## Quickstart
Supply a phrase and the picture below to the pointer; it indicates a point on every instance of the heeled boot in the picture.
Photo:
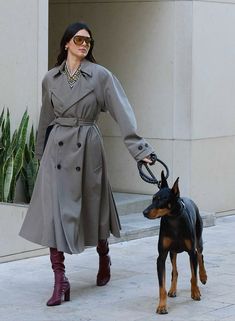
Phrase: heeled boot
(61, 286)
(103, 275)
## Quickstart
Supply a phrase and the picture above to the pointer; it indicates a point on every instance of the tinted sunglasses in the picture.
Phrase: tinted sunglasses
(79, 40)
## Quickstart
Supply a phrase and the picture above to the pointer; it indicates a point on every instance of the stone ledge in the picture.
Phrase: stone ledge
(135, 226)
(131, 203)
(13, 247)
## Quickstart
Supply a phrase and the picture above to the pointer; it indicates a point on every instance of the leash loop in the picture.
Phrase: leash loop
(151, 179)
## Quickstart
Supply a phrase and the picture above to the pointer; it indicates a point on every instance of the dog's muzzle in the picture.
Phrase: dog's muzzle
(146, 212)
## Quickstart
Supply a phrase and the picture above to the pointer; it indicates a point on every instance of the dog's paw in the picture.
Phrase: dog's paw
(203, 278)
(162, 309)
(172, 293)
(195, 294)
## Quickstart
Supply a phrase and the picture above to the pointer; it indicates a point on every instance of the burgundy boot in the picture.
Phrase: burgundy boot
(103, 275)
(61, 286)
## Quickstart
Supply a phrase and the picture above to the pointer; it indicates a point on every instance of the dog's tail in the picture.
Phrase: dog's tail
(199, 228)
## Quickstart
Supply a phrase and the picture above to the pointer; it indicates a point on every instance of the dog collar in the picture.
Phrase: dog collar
(182, 202)
(182, 206)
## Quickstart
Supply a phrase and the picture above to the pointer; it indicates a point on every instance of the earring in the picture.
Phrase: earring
(66, 48)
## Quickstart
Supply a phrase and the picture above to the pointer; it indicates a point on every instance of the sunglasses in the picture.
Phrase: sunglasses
(79, 40)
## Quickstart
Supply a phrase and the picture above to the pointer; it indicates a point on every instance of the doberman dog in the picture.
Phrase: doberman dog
(180, 230)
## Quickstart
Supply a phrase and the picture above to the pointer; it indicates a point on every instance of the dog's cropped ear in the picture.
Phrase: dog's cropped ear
(175, 188)
(163, 180)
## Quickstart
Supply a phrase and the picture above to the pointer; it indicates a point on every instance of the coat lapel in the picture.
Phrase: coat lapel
(67, 96)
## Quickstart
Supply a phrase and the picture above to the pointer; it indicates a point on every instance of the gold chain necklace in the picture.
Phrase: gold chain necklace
(74, 77)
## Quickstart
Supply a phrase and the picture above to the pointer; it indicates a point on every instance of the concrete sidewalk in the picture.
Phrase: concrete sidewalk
(132, 293)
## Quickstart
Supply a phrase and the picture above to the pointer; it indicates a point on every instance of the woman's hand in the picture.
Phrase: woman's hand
(151, 159)
(147, 160)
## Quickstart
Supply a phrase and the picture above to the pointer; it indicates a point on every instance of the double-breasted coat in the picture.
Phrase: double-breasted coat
(72, 205)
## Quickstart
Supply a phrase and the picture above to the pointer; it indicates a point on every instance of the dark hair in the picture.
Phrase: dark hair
(70, 31)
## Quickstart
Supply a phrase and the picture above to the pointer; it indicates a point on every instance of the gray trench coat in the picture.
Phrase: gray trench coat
(72, 204)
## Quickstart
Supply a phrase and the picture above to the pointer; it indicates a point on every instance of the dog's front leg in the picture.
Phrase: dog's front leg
(195, 292)
(174, 276)
(162, 306)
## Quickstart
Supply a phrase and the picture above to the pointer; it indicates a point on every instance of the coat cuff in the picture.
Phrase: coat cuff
(141, 150)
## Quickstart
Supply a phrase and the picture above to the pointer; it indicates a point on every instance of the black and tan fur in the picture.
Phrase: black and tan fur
(180, 230)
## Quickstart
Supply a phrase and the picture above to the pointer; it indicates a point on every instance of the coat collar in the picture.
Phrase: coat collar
(86, 68)
(67, 96)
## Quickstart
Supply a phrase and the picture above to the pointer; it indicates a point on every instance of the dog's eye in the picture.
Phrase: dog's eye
(157, 198)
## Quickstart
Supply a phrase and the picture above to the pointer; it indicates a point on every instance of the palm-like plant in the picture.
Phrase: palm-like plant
(30, 167)
(13, 152)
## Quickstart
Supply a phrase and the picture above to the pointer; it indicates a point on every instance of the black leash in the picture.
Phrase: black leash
(152, 179)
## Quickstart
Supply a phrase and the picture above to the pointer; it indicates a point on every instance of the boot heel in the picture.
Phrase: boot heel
(67, 295)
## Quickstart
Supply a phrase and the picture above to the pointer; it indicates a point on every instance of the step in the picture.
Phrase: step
(135, 226)
(131, 203)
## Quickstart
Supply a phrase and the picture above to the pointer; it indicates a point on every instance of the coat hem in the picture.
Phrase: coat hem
(61, 249)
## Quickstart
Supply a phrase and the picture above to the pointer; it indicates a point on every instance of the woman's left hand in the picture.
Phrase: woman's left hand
(151, 159)
(147, 160)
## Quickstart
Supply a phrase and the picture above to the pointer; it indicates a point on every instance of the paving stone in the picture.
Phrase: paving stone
(132, 293)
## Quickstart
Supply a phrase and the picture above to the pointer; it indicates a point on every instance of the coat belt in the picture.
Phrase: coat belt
(72, 122)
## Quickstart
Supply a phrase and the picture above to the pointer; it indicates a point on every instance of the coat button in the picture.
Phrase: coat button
(79, 145)
(59, 166)
(61, 143)
(146, 145)
(78, 169)
(140, 147)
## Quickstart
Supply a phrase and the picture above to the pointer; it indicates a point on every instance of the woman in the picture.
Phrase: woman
(72, 205)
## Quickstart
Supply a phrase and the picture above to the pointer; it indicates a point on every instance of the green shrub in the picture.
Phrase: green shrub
(15, 157)
(30, 167)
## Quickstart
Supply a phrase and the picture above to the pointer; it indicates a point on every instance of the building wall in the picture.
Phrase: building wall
(23, 60)
(23, 56)
(175, 60)
(213, 104)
